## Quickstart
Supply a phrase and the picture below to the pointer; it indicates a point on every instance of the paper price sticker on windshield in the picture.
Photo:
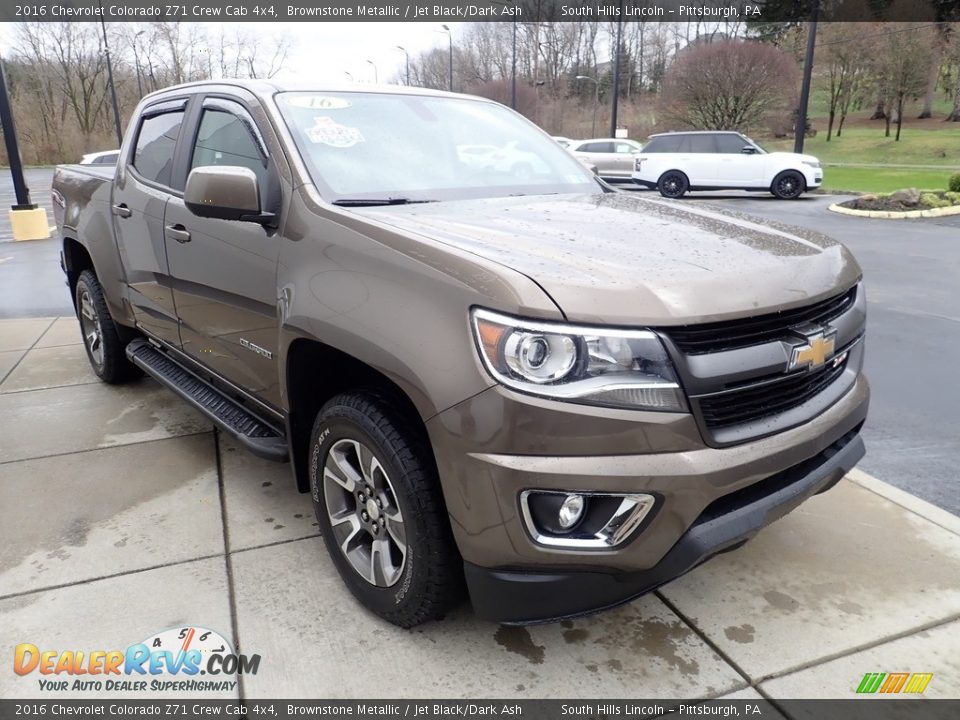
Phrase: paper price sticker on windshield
(319, 102)
(327, 132)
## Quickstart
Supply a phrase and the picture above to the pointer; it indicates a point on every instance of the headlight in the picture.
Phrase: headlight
(812, 163)
(590, 365)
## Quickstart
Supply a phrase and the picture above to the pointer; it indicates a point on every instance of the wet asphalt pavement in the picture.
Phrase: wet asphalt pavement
(912, 274)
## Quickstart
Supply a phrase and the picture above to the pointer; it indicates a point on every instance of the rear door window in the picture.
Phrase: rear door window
(597, 147)
(156, 142)
(699, 144)
(667, 144)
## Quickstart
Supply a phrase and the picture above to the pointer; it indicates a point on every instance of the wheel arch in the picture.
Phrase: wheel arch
(316, 372)
(76, 259)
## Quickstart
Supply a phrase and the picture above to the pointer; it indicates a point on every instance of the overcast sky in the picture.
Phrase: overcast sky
(323, 51)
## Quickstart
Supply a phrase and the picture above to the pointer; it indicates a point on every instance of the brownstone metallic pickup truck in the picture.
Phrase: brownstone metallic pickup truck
(492, 371)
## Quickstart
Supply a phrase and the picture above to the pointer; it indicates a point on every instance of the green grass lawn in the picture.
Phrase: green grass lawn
(940, 146)
(875, 180)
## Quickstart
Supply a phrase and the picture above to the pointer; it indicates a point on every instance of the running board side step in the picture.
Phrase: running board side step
(249, 430)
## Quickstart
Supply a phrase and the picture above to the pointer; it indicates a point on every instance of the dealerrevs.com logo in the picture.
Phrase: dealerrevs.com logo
(175, 660)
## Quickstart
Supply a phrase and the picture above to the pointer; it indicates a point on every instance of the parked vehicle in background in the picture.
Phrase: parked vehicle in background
(613, 157)
(510, 158)
(675, 163)
(106, 157)
(556, 395)
(563, 141)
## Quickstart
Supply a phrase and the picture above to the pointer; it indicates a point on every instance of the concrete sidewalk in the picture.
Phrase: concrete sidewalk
(124, 514)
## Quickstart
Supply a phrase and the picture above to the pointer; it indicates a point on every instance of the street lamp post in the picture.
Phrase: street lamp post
(800, 129)
(616, 75)
(596, 101)
(113, 88)
(450, 38)
(136, 60)
(513, 72)
(407, 55)
(373, 65)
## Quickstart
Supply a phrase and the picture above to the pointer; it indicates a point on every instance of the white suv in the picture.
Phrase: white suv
(674, 163)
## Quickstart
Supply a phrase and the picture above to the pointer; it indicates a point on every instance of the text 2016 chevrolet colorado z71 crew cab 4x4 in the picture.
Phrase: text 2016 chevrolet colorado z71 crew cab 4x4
(552, 394)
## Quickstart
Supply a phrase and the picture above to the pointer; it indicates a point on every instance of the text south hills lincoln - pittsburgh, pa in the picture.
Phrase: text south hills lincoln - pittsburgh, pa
(616, 11)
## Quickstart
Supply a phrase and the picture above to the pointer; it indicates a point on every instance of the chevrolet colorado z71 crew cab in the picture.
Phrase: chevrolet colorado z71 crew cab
(525, 385)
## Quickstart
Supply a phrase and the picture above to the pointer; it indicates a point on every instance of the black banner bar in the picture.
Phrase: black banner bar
(865, 708)
(751, 11)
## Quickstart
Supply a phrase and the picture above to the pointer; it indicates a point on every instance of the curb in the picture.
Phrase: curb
(891, 215)
(928, 511)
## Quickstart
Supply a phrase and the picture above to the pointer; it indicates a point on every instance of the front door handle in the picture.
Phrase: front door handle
(122, 210)
(178, 233)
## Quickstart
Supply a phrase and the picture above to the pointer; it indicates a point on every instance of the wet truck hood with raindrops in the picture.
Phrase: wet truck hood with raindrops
(619, 259)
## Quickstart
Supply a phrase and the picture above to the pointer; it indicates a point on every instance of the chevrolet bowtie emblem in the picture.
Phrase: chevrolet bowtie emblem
(815, 352)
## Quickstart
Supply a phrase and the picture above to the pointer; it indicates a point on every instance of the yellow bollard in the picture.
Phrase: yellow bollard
(30, 224)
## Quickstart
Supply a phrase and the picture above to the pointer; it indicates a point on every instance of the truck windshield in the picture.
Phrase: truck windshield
(380, 147)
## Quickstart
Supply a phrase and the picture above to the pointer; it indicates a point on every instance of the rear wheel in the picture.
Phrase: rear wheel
(788, 185)
(673, 184)
(101, 337)
(377, 500)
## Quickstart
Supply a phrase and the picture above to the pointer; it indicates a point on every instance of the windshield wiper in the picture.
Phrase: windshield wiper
(376, 202)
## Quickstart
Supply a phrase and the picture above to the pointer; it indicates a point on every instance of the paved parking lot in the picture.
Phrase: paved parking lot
(124, 514)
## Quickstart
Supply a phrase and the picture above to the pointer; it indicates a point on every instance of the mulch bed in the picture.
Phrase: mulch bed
(881, 202)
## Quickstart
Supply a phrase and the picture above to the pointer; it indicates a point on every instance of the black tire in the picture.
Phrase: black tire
(429, 580)
(788, 185)
(673, 184)
(102, 339)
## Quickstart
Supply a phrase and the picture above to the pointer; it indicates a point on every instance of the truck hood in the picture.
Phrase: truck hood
(616, 258)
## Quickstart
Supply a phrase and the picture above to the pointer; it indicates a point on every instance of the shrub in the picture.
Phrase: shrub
(953, 197)
(954, 184)
(932, 200)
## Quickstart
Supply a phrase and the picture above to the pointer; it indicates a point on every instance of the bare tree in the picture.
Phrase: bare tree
(954, 58)
(844, 59)
(729, 85)
(901, 68)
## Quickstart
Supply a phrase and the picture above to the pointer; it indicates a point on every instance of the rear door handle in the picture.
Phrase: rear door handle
(178, 233)
(122, 210)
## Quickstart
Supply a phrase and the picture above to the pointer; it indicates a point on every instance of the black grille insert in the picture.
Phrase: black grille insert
(760, 401)
(732, 334)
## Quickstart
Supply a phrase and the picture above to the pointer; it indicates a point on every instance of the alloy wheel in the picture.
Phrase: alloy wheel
(90, 326)
(364, 515)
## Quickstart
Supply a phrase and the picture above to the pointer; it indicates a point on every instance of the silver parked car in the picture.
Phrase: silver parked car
(613, 157)
(105, 157)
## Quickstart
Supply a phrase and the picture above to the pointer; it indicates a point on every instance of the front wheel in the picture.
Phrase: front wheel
(377, 500)
(673, 184)
(101, 337)
(788, 185)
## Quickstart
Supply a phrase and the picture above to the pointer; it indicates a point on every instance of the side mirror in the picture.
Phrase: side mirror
(749, 150)
(225, 192)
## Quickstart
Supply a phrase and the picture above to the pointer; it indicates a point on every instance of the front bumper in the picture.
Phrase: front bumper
(495, 445)
(519, 596)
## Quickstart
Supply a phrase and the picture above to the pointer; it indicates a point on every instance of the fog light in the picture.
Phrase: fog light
(570, 511)
(584, 520)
